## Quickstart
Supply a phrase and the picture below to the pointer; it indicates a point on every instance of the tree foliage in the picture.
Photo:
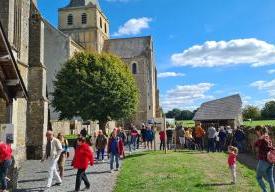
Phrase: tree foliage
(95, 87)
(180, 114)
(251, 112)
(268, 111)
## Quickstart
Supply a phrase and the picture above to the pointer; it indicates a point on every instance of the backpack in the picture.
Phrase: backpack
(271, 153)
(271, 156)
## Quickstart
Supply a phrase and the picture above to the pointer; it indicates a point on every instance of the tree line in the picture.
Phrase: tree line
(256, 113)
(249, 112)
(181, 114)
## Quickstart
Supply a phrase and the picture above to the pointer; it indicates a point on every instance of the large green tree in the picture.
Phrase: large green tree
(251, 112)
(95, 87)
(268, 111)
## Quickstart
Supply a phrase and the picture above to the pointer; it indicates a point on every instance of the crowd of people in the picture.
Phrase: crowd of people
(213, 139)
(223, 139)
(57, 151)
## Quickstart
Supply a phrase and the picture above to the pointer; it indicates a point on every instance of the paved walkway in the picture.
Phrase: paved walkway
(33, 177)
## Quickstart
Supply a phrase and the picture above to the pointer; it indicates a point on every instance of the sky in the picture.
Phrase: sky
(204, 49)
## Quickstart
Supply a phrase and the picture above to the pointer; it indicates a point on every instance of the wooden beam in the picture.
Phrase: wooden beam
(5, 58)
(12, 82)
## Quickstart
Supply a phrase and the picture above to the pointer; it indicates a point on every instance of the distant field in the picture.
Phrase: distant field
(255, 123)
(191, 123)
(188, 123)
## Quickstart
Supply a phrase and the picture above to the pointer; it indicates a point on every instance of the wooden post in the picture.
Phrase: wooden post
(165, 138)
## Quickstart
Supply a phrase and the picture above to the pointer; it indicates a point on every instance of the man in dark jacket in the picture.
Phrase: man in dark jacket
(101, 142)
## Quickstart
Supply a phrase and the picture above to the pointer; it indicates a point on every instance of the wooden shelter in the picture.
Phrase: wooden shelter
(221, 112)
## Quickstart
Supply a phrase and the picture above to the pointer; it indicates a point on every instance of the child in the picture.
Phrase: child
(232, 159)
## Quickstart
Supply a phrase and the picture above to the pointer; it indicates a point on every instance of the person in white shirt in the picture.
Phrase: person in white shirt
(51, 156)
(212, 133)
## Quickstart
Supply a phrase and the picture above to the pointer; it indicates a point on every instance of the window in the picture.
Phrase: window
(105, 28)
(134, 68)
(70, 19)
(84, 18)
(100, 22)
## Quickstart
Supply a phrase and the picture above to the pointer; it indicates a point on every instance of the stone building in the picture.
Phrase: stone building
(86, 23)
(32, 51)
(221, 112)
(39, 50)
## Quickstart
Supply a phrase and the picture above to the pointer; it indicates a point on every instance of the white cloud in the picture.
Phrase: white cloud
(170, 74)
(222, 53)
(133, 26)
(271, 71)
(186, 96)
(268, 86)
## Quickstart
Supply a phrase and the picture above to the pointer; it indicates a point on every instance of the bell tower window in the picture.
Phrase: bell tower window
(134, 68)
(105, 28)
(70, 19)
(84, 18)
(100, 22)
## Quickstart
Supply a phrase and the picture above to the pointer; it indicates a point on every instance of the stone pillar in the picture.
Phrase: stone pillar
(38, 104)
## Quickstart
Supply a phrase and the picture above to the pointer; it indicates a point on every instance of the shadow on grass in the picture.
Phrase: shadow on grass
(212, 184)
(135, 155)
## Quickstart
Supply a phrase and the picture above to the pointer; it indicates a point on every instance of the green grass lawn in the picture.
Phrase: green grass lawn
(187, 123)
(182, 171)
(255, 123)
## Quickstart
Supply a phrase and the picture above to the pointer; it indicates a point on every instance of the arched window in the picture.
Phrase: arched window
(70, 19)
(84, 18)
(134, 68)
(100, 22)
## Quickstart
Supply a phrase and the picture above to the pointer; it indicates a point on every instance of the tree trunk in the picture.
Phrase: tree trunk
(102, 126)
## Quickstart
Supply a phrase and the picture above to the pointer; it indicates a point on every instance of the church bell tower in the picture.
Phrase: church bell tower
(85, 22)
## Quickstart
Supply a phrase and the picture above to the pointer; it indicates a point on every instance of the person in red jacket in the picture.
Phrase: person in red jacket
(162, 140)
(115, 150)
(82, 158)
(5, 163)
(232, 160)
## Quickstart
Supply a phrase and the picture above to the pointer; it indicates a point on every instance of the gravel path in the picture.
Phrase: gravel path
(33, 177)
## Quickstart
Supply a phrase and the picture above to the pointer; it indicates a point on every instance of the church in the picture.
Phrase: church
(86, 23)
(32, 51)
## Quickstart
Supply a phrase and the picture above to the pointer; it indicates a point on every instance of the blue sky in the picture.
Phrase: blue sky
(204, 49)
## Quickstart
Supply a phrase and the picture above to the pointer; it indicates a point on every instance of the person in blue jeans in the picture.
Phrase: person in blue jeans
(264, 168)
(212, 133)
(115, 149)
(5, 163)
(239, 137)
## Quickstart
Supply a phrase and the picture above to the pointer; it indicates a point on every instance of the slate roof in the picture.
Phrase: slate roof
(227, 108)
(128, 47)
(81, 3)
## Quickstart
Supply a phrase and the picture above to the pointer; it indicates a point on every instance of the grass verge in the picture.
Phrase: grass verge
(182, 171)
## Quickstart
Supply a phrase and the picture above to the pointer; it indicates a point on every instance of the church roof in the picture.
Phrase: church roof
(227, 108)
(82, 3)
(128, 47)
